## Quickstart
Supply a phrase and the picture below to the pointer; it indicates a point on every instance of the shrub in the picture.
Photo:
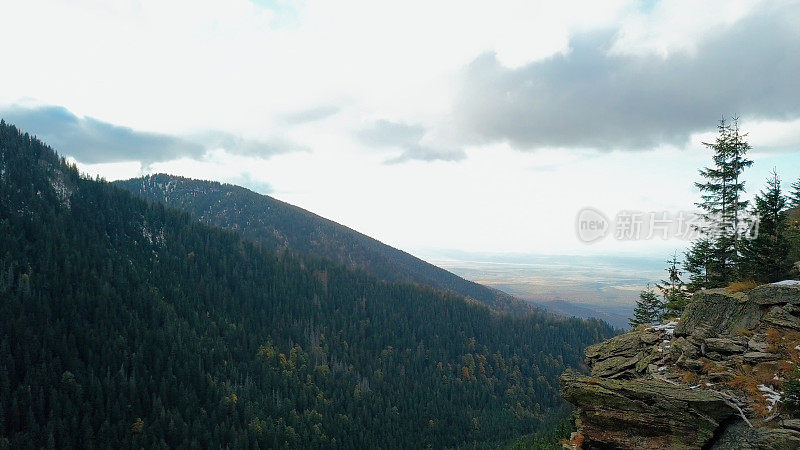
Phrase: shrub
(742, 286)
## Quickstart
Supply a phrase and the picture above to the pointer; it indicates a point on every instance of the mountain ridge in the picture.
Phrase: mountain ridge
(129, 323)
(280, 226)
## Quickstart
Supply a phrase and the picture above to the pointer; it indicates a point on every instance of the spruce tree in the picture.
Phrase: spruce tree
(793, 226)
(794, 195)
(672, 289)
(766, 257)
(648, 308)
(737, 162)
(699, 263)
(722, 206)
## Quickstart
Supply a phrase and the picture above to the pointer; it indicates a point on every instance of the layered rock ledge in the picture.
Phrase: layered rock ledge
(711, 379)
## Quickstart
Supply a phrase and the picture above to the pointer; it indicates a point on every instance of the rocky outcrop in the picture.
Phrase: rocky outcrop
(711, 379)
(635, 413)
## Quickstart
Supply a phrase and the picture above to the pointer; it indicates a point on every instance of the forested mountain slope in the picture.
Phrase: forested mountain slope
(128, 324)
(277, 225)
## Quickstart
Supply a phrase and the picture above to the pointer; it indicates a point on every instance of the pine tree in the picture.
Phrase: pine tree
(766, 257)
(672, 289)
(699, 263)
(736, 164)
(793, 226)
(648, 308)
(722, 204)
(794, 195)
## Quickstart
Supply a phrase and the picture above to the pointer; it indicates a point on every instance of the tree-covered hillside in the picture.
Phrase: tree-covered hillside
(128, 324)
(279, 226)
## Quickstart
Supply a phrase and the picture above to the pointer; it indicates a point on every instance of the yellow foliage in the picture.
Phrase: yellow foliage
(742, 286)
(266, 351)
(138, 426)
(258, 426)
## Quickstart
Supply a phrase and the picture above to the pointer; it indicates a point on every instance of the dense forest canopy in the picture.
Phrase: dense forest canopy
(279, 226)
(125, 323)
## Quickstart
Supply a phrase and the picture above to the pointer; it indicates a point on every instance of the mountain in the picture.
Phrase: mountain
(570, 309)
(722, 376)
(127, 323)
(278, 226)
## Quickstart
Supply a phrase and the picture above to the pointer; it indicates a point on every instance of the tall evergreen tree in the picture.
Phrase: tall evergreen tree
(736, 164)
(722, 203)
(648, 308)
(794, 195)
(672, 289)
(766, 257)
(699, 263)
(793, 226)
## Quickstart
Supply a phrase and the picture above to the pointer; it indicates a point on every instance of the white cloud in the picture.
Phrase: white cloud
(182, 65)
(677, 25)
(110, 171)
(316, 72)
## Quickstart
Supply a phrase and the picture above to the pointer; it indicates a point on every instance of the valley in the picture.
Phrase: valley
(128, 321)
(513, 225)
(603, 287)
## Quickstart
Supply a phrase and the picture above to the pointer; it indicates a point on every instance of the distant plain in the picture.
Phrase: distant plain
(604, 287)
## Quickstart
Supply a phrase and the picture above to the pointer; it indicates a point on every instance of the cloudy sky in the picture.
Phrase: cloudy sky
(477, 126)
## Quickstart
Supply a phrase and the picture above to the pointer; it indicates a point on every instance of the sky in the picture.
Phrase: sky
(431, 126)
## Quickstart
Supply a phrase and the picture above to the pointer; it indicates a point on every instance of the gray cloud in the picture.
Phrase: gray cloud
(589, 98)
(408, 138)
(237, 145)
(93, 141)
(311, 115)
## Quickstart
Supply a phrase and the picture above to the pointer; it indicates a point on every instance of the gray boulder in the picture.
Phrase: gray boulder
(643, 414)
(776, 294)
(725, 345)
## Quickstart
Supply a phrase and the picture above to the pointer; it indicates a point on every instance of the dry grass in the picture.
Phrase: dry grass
(745, 332)
(774, 340)
(764, 373)
(791, 338)
(785, 368)
(576, 442)
(760, 407)
(745, 380)
(742, 286)
(710, 367)
(690, 377)
(742, 376)
(783, 343)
